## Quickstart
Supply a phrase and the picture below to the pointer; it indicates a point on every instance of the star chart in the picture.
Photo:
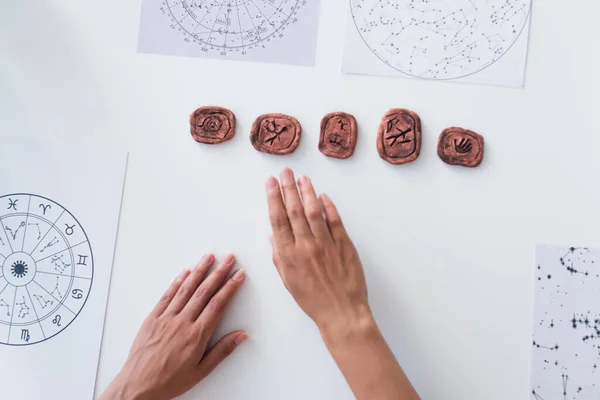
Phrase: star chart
(226, 26)
(566, 332)
(47, 268)
(439, 39)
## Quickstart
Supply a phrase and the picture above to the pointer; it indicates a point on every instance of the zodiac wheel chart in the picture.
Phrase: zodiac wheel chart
(226, 26)
(47, 269)
(440, 39)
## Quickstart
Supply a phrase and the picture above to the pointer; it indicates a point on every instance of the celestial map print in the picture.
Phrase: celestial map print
(47, 268)
(566, 324)
(440, 39)
(224, 26)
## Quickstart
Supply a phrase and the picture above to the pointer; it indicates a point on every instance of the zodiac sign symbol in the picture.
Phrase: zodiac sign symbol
(56, 320)
(50, 244)
(81, 260)
(273, 128)
(69, 229)
(19, 269)
(335, 139)
(77, 293)
(25, 335)
(12, 204)
(464, 146)
(45, 207)
(16, 232)
(342, 124)
(43, 302)
(56, 290)
(5, 304)
(24, 310)
(60, 268)
(38, 229)
(211, 124)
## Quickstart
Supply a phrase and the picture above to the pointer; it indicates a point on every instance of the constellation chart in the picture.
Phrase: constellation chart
(438, 39)
(46, 269)
(566, 332)
(235, 29)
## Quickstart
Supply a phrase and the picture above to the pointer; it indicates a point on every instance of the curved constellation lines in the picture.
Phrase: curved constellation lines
(440, 39)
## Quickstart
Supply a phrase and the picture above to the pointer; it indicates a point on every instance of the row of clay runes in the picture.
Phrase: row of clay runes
(398, 136)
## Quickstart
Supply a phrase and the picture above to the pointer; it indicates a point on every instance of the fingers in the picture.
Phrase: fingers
(207, 289)
(220, 351)
(293, 204)
(165, 300)
(282, 230)
(190, 284)
(333, 219)
(313, 209)
(213, 312)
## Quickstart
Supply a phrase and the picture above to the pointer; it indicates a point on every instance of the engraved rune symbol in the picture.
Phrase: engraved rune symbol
(342, 124)
(401, 135)
(335, 139)
(464, 146)
(276, 130)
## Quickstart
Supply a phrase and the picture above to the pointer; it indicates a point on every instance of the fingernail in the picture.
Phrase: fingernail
(271, 240)
(229, 258)
(303, 181)
(287, 175)
(239, 275)
(324, 197)
(270, 184)
(205, 259)
(241, 338)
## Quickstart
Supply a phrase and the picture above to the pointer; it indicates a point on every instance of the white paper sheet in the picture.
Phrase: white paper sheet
(59, 210)
(566, 324)
(468, 41)
(280, 31)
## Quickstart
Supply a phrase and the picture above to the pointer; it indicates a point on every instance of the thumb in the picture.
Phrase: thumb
(220, 351)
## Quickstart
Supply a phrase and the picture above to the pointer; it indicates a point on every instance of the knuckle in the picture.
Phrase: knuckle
(200, 292)
(314, 214)
(183, 291)
(216, 304)
(296, 212)
(279, 221)
(335, 222)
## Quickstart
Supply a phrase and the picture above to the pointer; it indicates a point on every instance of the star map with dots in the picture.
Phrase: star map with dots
(566, 324)
(439, 39)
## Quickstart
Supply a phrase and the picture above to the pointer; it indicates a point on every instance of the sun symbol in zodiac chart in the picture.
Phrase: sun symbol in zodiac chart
(46, 269)
(440, 39)
(226, 26)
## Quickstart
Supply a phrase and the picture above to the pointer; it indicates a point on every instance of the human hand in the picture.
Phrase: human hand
(169, 355)
(315, 257)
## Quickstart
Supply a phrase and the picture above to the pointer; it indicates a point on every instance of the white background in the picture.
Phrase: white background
(448, 251)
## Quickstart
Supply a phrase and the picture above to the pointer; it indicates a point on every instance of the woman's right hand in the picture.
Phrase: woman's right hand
(314, 255)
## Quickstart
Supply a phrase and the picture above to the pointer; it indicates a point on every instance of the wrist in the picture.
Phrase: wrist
(124, 388)
(355, 325)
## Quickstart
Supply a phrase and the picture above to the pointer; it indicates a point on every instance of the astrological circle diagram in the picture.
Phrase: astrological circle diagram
(227, 26)
(46, 269)
(440, 39)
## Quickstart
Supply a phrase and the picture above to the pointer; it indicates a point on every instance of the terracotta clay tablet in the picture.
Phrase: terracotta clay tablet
(276, 134)
(338, 135)
(458, 146)
(399, 136)
(212, 125)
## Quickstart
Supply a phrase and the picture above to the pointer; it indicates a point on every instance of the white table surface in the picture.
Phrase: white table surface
(448, 251)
